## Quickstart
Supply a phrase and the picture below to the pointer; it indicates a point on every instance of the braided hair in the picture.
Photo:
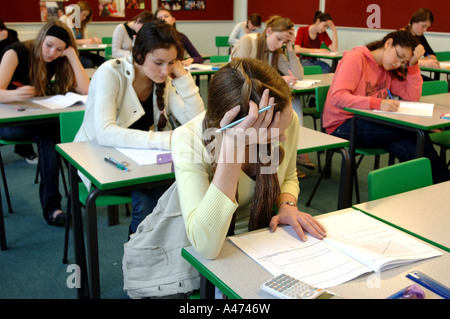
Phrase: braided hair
(155, 35)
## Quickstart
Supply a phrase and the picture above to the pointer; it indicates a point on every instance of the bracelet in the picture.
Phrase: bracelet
(288, 202)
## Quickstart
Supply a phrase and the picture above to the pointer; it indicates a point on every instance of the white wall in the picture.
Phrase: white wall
(202, 33)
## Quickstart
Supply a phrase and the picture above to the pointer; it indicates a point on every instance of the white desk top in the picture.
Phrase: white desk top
(439, 99)
(244, 276)
(424, 211)
(325, 80)
(88, 157)
(311, 140)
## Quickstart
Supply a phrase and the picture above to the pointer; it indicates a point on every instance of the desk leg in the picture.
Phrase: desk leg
(2, 227)
(351, 151)
(345, 182)
(207, 289)
(80, 257)
(420, 144)
(92, 239)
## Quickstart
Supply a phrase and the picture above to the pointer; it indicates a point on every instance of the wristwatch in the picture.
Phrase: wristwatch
(288, 202)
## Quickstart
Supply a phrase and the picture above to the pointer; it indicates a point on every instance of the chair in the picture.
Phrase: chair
(221, 42)
(399, 178)
(321, 95)
(70, 122)
(443, 55)
(434, 87)
(107, 40)
(311, 111)
(219, 58)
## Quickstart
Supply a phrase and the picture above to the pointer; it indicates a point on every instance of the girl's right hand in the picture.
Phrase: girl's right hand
(24, 93)
(389, 105)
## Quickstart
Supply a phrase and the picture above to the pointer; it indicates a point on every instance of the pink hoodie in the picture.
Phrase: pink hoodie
(361, 83)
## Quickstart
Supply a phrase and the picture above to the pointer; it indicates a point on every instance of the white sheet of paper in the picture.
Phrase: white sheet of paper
(142, 156)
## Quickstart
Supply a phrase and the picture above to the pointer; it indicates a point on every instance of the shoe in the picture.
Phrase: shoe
(306, 163)
(300, 174)
(32, 159)
(57, 220)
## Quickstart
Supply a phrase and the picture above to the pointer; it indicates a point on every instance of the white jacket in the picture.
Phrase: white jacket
(113, 106)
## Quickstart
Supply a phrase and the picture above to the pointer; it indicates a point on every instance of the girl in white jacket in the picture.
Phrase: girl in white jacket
(131, 100)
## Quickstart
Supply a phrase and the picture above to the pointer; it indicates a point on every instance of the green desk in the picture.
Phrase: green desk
(88, 158)
(423, 213)
(239, 276)
(335, 57)
(30, 113)
(437, 72)
(313, 141)
(325, 80)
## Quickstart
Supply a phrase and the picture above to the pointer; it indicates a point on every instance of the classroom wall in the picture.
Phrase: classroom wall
(202, 33)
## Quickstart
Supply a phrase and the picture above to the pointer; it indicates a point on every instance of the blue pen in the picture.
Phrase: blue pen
(390, 95)
(118, 165)
(240, 120)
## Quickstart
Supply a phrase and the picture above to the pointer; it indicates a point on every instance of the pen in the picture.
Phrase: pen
(118, 165)
(390, 95)
(240, 120)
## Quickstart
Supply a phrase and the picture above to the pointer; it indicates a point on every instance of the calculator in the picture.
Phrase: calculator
(287, 287)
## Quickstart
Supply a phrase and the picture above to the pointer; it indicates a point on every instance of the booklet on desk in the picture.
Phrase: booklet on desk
(304, 84)
(61, 101)
(202, 67)
(413, 108)
(355, 244)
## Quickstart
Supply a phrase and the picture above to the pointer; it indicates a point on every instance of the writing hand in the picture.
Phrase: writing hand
(24, 93)
(389, 105)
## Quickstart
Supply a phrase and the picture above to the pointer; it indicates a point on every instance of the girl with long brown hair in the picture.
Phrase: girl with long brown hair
(132, 99)
(26, 70)
(243, 178)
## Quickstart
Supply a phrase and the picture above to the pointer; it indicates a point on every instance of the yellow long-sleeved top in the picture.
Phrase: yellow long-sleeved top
(206, 210)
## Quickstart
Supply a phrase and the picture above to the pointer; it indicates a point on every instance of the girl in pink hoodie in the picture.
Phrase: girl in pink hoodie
(362, 80)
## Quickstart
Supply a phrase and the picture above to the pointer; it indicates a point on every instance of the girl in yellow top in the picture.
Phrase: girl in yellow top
(228, 187)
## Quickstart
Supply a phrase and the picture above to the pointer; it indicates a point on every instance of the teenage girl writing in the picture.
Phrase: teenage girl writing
(362, 80)
(26, 70)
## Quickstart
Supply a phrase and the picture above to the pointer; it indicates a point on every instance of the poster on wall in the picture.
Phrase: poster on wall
(135, 4)
(51, 10)
(178, 5)
(111, 8)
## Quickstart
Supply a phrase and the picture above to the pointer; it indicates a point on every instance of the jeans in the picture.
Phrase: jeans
(398, 142)
(326, 68)
(144, 201)
(45, 136)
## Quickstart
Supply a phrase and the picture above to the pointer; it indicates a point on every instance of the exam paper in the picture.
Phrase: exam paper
(304, 83)
(142, 156)
(62, 101)
(413, 108)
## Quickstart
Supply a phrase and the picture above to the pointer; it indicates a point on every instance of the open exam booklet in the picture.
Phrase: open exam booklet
(355, 244)
(413, 108)
(61, 101)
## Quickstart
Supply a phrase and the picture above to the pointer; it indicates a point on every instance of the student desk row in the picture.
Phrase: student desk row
(437, 72)
(239, 276)
(88, 158)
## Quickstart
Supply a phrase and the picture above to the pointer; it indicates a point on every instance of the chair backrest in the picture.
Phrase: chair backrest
(313, 69)
(219, 58)
(108, 53)
(399, 178)
(443, 55)
(434, 87)
(107, 40)
(321, 96)
(69, 123)
(222, 41)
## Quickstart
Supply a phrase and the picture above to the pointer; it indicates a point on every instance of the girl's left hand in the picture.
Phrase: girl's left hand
(68, 52)
(300, 222)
